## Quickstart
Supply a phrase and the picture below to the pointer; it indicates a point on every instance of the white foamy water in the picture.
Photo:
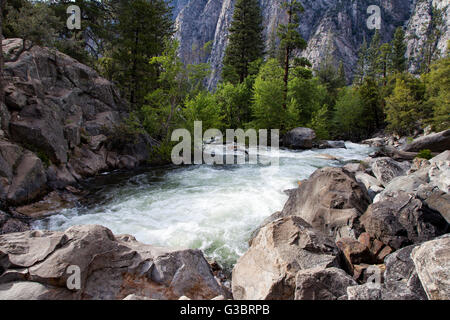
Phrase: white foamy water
(213, 208)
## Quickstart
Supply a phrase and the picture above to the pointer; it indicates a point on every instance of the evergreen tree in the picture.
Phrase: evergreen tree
(291, 39)
(384, 61)
(361, 66)
(399, 51)
(141, 29)
(246, 43)
(433, 34)
(373, 55)
(402, 109)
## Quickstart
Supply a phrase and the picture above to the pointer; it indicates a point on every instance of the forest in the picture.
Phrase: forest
(132, 44)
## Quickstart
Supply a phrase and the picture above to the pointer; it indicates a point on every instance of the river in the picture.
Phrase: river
(212, 208)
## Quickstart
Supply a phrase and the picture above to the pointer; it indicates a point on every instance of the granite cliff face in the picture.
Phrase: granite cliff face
(339, 26)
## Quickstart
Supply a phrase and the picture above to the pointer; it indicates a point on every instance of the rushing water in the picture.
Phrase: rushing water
(213, 208)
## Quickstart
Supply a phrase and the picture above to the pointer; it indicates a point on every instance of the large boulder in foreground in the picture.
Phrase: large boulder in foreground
(267, 271)
(332, 201)
(437, 142)
(322, 284)
(38, 265)
(299, 138)
(432, 261)
(401, 219)
(401, 281)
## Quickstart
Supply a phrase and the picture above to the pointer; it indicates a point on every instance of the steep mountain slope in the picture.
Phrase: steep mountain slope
(337, 26)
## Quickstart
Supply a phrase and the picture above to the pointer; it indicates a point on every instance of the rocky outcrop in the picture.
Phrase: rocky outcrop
(9, 224)
(402, 220)
(322, 284)
(432, 261)
(386, 169)
(333, 26)
(332, 201)
(299, 138)
(438, 142)
(281, 249)
(339, 27)
(401, 281)
(59, 125)
(39, 265)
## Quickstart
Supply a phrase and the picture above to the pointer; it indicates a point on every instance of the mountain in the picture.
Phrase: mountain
(336, 26)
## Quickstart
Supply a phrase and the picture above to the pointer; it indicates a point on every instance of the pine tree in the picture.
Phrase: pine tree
(342, 76)
(399, 51)
(430, 51)
(141, 29)
(246, 43)
(361, 66)
(373, 55)
(291, 39)
(384, 61)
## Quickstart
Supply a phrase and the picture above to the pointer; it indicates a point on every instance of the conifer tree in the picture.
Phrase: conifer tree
(399, 51)
(142, 27)
(361, 66)
(291, 39)
(373, 55)
(246, 43)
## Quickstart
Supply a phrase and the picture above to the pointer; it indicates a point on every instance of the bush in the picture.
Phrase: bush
(425, 154)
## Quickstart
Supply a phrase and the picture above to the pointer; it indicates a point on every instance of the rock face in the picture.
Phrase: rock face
(386, 169)
(322, 284)
(57, 125)
(280, 250)
(402, 220)
(432, 261)
(327, 25)
(438, 142)
(401, 281)
(331, 201)
(299, 138)
(37, 265)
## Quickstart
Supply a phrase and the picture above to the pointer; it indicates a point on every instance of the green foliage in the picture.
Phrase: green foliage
(141, 30)
(371, 99)
(349, 113)
(246, 43)
(126, 133)
(399, 51)
(307, 96)
(34, 22)
(203, 107)
(402, 109)
(437, 97)
(268, 100)
(319, 123)
(235, 102)
(425, 154)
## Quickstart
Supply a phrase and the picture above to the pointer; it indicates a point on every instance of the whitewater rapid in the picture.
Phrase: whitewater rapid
(212, 208)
